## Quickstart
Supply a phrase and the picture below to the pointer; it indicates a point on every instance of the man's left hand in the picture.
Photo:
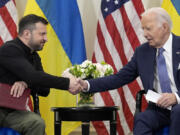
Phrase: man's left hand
(167, 99)
(18, 88)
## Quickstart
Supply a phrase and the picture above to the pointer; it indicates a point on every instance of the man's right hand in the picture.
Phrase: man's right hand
(18, 88)
(83, 84)
(74, 87)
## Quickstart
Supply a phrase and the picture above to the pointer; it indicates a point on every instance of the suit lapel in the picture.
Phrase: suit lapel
(176, 57)
(150, 61)
(153, 61)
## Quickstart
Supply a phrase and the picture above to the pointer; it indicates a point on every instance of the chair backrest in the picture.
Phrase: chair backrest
(163, 131)
(139, 96)
(8, 131)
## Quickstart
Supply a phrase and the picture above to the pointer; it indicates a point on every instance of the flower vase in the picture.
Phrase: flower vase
(85, 99)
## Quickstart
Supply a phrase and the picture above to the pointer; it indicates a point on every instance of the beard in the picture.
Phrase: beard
(35, 45)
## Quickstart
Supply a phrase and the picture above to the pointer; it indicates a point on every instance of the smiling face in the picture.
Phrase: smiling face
(155, 31)
(38, 37)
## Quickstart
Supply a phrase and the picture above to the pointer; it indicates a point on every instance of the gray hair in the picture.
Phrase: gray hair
(162, 15)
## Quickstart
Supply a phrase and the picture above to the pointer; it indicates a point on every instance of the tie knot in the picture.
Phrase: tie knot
(161, 50)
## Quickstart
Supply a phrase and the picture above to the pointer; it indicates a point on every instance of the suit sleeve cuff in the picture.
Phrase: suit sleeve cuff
(88, 86)
(177, 98)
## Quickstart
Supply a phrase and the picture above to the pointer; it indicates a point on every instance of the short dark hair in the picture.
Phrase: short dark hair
(29, 21)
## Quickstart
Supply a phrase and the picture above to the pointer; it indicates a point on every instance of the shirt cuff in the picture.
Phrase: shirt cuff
(177, 98)
(86, 90)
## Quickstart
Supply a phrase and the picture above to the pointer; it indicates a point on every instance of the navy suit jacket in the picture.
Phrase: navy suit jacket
(141, 64)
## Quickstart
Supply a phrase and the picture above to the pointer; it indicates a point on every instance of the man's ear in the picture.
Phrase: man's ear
(166, 27)
(26, 34)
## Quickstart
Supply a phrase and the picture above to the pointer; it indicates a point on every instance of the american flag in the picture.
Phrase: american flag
(118, 34)
(8, 20)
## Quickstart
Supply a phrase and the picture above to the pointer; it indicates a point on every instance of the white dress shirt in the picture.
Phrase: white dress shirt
(168, 58)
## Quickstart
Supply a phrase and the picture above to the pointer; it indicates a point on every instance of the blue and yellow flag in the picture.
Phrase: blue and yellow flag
(173, 8)
(65, 47)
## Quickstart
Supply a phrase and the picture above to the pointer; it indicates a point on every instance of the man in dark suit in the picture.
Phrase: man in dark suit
(151, 61)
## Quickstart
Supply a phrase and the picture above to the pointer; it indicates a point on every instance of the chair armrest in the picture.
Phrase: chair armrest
(36, 103)
(139, 96)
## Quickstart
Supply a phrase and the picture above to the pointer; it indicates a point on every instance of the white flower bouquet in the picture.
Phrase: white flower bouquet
(89, 70)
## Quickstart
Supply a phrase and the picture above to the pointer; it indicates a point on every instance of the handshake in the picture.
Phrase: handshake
(76, 85)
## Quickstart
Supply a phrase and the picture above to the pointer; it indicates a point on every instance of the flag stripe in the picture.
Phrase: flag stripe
(137, 4)
(100, 127)
(117, 99)
(11, 7)
(7, 19)
(134, 87)
(129, 98)
(176, 4)
(127, 113)
(115, 37)
(129, 30)
(103, 47)
(172, 8)
(109, 43)
(128, 49)
(1, 41)
(97, 52)
(135, 21)
(5, 35)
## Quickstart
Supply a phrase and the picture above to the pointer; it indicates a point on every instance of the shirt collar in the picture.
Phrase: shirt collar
(25, 47)
(168, 44)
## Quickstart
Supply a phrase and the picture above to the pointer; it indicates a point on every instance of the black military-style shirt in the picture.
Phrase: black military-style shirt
(19, 63)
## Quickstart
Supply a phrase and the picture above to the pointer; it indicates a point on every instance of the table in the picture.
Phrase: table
(85, 114)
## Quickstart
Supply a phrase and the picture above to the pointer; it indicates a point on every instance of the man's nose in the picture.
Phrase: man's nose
(45, 38)
(145, 33)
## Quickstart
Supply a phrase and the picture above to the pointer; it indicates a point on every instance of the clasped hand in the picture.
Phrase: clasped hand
(76, 85)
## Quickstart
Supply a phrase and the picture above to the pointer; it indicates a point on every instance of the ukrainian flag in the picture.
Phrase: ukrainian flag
(65, 47)
(173, 8)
